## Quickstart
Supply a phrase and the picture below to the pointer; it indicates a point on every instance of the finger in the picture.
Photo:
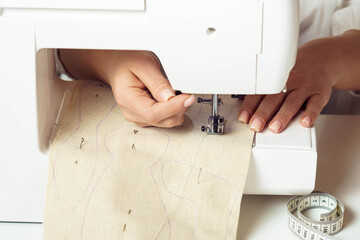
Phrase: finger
(291, 105)
(169, 122)
(142, 124)
(150, 74)
(248, 107)
(144, 107)
(313, 108)
(172, 121)
(158, 111)
(267, 108)
(131, 117)
(152, 112)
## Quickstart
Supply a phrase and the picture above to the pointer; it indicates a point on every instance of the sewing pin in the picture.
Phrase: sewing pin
(81, 143)
(199, 175)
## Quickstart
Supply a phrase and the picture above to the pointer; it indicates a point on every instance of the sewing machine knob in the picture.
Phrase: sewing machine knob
(238, 96)
(203, 128)
(203, 100)
(221, 119)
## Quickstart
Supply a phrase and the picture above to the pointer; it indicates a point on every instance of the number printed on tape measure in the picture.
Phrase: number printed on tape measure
(325, 228)
(333, 228)
(313, 236)
(332, 203)
(299, 229)
(322, 238)
(316, 226)
(293, 225)
(324, 201)
(315, 201)
(341, 223)
(305, 233)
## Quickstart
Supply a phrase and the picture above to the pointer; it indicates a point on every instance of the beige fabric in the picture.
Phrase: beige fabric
(153, 184)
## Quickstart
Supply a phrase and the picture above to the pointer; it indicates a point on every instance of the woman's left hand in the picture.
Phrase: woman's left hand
(310, 82)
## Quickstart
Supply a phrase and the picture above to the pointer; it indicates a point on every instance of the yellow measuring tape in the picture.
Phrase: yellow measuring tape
(330, 223)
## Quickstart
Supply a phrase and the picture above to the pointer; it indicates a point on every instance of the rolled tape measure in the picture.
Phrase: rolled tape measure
(330, 222)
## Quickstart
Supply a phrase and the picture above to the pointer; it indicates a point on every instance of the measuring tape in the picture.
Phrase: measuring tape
(330, 223)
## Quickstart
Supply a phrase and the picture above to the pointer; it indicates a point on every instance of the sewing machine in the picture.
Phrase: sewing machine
(213, 47)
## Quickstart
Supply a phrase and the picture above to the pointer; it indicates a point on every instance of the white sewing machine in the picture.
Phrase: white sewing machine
(205, 46)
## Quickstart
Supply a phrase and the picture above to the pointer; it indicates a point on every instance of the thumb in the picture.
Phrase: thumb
(152, 77)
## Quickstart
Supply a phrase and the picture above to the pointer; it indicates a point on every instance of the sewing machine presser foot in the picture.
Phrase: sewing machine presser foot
(216, 123)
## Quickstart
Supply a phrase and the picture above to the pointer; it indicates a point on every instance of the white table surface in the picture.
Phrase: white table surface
(264, 217)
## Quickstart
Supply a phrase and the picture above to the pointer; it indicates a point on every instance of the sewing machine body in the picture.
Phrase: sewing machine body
(226, 47)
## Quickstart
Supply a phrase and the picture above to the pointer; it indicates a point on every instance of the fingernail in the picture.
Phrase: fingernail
(256, 125)
(275, 126)
(189, 101)
(166, 94)
(244, 117)
(307, 121)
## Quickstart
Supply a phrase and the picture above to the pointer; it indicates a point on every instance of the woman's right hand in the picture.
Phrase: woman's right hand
(140, 89)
